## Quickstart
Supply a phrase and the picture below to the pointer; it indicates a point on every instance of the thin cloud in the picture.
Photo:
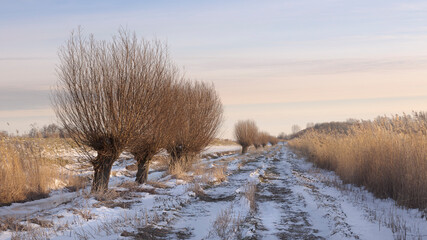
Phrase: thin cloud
(22, 58)
(414, 6)
(312, 66)
(23, 99)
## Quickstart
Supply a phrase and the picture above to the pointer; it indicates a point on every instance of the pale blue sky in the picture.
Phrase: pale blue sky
(277, 62)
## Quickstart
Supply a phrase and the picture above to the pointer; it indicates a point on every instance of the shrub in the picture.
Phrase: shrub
(245, 133)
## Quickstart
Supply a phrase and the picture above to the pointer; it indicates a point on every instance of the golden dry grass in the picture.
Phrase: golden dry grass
(219, 173)
(388, 156)
(223, 142)
(180, 170)
(24, 173)
(250, 193)
(76, 182)
(227, 225)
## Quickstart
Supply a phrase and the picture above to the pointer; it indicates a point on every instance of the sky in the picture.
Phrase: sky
(279, 63)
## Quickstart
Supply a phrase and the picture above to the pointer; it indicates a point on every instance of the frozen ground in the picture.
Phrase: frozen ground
(268, 194)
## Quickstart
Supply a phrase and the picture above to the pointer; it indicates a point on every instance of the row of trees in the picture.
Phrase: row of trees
(48, 131)
(127, 95)
(246, 133)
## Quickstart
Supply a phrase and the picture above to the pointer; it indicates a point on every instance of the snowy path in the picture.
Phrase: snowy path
(292, 199)
(295, 200)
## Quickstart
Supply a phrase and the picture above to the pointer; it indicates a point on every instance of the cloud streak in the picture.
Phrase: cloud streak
(310, 66)
(23, 99)
(23, 58)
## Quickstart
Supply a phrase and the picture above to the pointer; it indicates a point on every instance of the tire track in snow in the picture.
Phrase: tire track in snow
(197, 217)
(292, 202)
(282, 213)
(324, 208)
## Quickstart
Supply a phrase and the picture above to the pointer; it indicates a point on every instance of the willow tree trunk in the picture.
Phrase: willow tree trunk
(102, 168)
(143, 161)
(244, 149)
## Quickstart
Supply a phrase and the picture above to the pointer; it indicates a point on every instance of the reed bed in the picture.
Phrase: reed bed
(24, 173)
(388, 156)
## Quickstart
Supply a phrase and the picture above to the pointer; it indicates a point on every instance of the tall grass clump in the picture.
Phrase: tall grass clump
(24, 173)
(388, 156)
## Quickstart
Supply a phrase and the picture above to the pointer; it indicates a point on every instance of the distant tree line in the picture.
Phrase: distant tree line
(247, 134)
(48, 131)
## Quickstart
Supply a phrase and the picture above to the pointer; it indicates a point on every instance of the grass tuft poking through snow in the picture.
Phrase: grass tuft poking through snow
(226, 225)
(250, 194)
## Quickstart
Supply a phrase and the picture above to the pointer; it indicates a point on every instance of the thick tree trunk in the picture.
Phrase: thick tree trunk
(176, 154)
(102, 169)
(244, 149)
(143, 161)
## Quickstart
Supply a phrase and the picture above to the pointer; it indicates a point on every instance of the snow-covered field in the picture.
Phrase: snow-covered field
(268, 194)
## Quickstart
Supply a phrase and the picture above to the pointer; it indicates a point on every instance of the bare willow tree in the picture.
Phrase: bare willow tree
(199, 116)
(106, 92)
(295, 128)
(257, 141)
(273, 140)
(245, 133)
(155, 137)
(263, 138)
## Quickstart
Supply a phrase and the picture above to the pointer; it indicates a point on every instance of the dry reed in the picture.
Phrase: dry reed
(388, 156)
(24, 173)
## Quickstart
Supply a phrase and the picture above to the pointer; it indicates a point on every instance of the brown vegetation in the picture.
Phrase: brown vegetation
(48, 131)
(198, 112)
(263, 138)
(154, 137)
(127, 95)
(250, 193)
(219, 173)
(106, 93)
(273, 140)
(245, 133)
(24, 173)
(227, 225)
(222, 142)
(388, 155)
